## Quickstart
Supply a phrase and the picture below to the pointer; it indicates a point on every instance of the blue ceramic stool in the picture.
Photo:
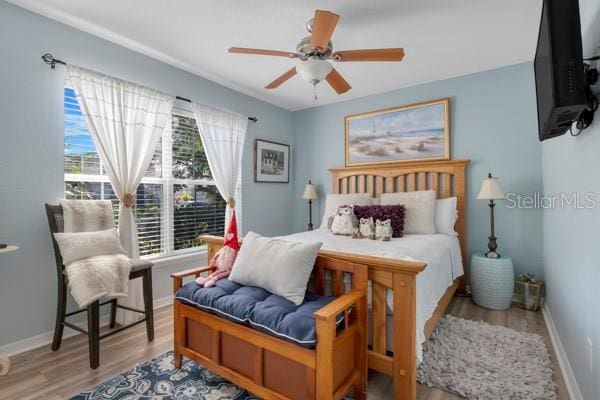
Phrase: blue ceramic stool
(492, 281)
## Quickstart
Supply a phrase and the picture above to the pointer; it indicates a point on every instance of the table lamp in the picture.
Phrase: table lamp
(490, 190)
(310, 194)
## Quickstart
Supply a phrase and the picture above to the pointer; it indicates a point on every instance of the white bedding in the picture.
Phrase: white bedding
(440, 252)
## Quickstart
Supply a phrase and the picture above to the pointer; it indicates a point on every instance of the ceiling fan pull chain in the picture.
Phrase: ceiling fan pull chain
(315, 92)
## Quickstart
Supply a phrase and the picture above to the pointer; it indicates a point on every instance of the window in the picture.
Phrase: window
(177, 199)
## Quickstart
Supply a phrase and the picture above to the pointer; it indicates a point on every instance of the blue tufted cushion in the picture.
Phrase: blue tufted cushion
(254, 306)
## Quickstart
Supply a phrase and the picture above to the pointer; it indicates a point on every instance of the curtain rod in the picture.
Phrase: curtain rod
(51, 61)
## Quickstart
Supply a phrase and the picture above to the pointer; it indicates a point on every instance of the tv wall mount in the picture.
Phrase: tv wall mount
(591, 78)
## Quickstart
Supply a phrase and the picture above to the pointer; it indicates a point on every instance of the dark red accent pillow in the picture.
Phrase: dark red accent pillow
(396, 213)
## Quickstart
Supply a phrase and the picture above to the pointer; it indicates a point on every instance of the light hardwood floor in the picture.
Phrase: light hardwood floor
(43, 374)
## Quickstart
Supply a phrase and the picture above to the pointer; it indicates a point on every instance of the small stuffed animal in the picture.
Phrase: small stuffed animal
(223, 260)
(383, 229)
(378, 229)
(387, 230)
(344, 221)
(367, 227)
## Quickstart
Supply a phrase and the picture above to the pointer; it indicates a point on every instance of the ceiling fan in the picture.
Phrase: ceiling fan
(314, 52)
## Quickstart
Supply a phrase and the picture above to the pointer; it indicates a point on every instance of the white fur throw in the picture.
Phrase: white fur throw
(93, 278)
(87, 215)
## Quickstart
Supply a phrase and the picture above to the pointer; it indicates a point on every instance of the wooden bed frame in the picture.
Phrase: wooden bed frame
(276, 369)
(447, 178)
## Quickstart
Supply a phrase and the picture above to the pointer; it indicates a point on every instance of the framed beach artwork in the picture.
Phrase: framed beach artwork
(416, 132)
(271, 161)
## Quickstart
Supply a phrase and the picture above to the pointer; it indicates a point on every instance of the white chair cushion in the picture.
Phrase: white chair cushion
(76, 246)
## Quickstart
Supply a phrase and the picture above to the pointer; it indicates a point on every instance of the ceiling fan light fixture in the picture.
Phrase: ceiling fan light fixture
(314, 70)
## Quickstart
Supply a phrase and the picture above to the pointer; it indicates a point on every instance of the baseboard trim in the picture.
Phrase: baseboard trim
(561, 355)
(44, 339)
(163, 301)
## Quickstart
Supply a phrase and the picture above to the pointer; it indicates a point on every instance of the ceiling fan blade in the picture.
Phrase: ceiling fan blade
(323, 26)
(337, 82)
(261, 52)
(281, 79)
(369, 55)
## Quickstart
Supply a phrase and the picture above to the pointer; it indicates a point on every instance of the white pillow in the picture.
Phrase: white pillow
(333, 201)
(276, 265)
(420, 209)
(76, 246)
(445, 216)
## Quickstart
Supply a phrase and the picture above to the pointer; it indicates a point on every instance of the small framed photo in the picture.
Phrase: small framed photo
(271, 161)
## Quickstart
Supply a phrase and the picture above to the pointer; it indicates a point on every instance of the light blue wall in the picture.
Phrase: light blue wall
(493, 123)
(571, 262)
(31, 148)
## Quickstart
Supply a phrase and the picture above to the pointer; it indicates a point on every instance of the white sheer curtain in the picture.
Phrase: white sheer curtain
(126, 122)
(223, 134)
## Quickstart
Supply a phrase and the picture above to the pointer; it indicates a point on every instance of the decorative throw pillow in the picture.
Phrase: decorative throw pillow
(333, 201)
(420, 209)
(396, 213)
(445, 216)
(79, 245)
(276, 265)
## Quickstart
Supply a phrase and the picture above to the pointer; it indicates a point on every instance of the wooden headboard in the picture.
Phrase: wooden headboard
(447, 178)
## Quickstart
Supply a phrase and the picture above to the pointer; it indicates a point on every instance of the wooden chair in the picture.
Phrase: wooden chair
(141, 268)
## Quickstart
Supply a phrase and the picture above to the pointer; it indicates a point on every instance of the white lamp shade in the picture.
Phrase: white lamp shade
(310, 192)
(314, 70)
(491, 190)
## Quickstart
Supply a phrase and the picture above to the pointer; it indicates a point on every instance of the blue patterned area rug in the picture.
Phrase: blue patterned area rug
(159, 380)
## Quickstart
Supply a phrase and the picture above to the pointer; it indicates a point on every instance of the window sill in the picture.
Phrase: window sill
(172, 260)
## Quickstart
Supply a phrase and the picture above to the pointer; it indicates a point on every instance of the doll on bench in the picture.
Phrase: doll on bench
(223, 260)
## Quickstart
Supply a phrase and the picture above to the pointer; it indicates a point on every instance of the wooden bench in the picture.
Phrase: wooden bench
(273, 368)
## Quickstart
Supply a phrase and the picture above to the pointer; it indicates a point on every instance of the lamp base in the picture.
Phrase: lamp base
(310, 224)
(492, 254)
(492, 246)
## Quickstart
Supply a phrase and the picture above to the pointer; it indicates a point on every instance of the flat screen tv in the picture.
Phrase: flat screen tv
(559, 70)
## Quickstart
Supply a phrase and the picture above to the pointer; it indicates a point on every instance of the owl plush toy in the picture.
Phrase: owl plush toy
(367, 228)
(383, 229)
(344, 221)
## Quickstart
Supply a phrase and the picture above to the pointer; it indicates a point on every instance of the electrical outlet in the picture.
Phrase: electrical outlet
(589, 353)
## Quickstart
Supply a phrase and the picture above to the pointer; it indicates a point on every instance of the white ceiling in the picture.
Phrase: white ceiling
(442, 38)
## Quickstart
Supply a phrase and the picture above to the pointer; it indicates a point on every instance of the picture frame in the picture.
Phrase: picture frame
(403, 134)
(271, 161)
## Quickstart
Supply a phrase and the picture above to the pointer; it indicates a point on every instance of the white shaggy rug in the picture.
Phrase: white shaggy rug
(480, 361)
